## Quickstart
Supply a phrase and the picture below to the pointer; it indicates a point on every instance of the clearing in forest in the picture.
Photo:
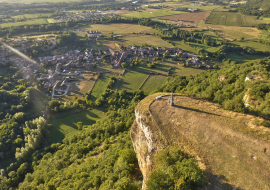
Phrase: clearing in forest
(66, 126)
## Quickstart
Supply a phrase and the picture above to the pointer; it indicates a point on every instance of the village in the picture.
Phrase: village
(76, 63)
(63, 68)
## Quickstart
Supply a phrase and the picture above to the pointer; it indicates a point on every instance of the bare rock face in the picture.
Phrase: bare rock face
(143, 144)
(146, 138)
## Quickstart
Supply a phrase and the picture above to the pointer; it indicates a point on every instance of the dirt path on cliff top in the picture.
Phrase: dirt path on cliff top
(236, 152)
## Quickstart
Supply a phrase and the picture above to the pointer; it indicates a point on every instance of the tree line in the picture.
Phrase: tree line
(230, 92)
(73, 157)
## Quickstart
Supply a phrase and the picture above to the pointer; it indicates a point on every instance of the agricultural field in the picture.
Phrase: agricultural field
(145, 39)
(32, 15)
(107, 68)
(150, 13)
(169, 3)
(207, 48)
(253, 44)
(237, 2)
(100, 86)
(201, 26)
(131, 81)
(51, 20)
(132, 39)
(171, 66)
(28, 22)
(232, 19)
(213, 36)
(235, 32)
(107, 29)
(201, 8)
(153, 82)
(197, 17)
(164, 21)
(244, 58)
(118, 12)
(265, 19)
(66, 126)
(184, 46)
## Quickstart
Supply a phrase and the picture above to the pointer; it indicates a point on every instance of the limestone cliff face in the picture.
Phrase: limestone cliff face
(145, 138)
(143, 144)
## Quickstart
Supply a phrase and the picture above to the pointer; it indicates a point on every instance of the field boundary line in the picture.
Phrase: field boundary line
(144, 81)
(93, 86)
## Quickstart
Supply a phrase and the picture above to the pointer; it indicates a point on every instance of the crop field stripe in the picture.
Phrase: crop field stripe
(232, 19)
(241, 20)
(144, 82)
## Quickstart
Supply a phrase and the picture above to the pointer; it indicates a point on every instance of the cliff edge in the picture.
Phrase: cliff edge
(232, 148)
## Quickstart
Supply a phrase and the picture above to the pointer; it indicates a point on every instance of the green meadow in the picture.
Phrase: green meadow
(231, 19)
(28, 22)
(99, 87)
(150, 13)
(66, 126)
(130, 81)
(107, 29)
(153, 82)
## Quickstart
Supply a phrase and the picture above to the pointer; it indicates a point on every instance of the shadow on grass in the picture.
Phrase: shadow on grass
(219, 182)
(195, 110)
(74, 90)
(66, 125)
(145, 68)
(120, 84)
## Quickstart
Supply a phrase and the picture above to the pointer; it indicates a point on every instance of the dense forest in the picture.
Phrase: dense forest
(99, 156)
(175, 170)
(229, 86)
(113, 169)
(256, 8)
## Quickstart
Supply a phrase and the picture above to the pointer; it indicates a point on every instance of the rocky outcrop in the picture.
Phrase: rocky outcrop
(143, 144)
(227, 145)
(145, 138)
